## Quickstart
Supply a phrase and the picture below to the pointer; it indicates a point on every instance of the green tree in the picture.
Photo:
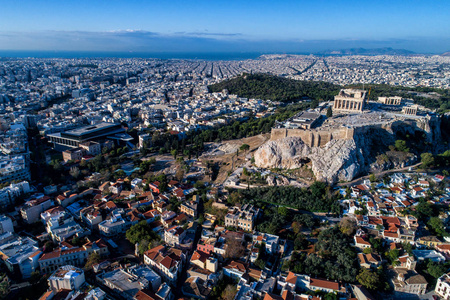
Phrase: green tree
(260, 264)
(347, 226)
(283, 211)
(329, 112)
(435, 269)
(369, 279)
(93, 258)
(174, 153)
(437, 226)
(244, 147)
(4, 285)
(35, 277)
(400, 145)
(392, 255)
(424, 210)
(427, 159)
(140, 231)
(296, 227)
(367, 250)
(234, 198)
(408, 248)
(229, 292)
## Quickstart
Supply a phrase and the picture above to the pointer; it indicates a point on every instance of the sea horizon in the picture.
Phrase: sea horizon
(212, 56)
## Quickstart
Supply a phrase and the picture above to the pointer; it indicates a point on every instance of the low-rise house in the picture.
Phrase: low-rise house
(122, 283)
(32, 209)
(51, 213)
(197, 288)
(174, 236)
(443, 286)
(220, 246)
(429, 241)
(433, 255)
(409, 282)
(444, 249)
(116, 188)
(6, 224)
(142, 271)
(21, 255)
(361, 243)
(168, 262)
(154, 186)
(206, 245)
(189, 209)
(75, 154)
(243, 218)
(163, 293)
(67, 231)
(369, 260)
(234, 269)
(411, 222)
(70, 255)
(66, 277)
(204, 261)
(294, 281)
(263, 286)
(91, 148)
(91, 217)
(115, 225)
(270, 240)
(327, 286)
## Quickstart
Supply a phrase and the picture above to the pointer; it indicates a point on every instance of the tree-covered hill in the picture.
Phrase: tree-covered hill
(269, 87)
(265, 86)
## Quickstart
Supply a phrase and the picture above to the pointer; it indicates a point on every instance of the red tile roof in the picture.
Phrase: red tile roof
(321, 283)
(291, 278)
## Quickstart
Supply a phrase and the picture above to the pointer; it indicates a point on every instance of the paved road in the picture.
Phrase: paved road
(361, 179)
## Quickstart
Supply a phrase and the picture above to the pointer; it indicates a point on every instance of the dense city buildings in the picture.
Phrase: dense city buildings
(119, 180)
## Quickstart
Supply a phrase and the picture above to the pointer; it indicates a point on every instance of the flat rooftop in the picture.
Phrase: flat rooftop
(84, 133)
(90, 129)
(124, 281)
(306, 117)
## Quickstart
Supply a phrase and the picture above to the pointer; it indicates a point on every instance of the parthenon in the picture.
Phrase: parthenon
(350, 100)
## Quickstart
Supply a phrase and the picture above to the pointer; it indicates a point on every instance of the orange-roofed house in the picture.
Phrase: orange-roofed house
(361, 243)
(235, 269)
(328, 286)
(166, 261)
(444, 249)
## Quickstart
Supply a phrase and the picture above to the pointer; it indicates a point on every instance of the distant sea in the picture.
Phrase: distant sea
(105, 54)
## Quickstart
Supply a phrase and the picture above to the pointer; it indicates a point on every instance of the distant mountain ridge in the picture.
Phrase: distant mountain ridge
(446, 53)
(363, 51)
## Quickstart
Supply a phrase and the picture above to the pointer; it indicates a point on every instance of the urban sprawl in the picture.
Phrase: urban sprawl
(91, 209)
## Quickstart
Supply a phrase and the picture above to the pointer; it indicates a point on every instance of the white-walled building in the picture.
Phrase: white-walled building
(443, 286)
(66, 277)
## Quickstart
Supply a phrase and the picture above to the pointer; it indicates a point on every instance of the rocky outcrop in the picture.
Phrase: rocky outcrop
(365, 151)
(338, 160)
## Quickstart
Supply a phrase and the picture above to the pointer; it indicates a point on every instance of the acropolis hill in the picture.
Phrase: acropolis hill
(350, 142)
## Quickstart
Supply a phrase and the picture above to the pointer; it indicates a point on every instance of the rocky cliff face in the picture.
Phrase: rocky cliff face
(343, 160)
(338, 160)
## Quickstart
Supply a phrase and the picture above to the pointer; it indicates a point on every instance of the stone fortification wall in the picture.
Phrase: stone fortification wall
(318, 137)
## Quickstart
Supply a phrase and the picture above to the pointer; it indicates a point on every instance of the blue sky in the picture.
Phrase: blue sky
(280, 26)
